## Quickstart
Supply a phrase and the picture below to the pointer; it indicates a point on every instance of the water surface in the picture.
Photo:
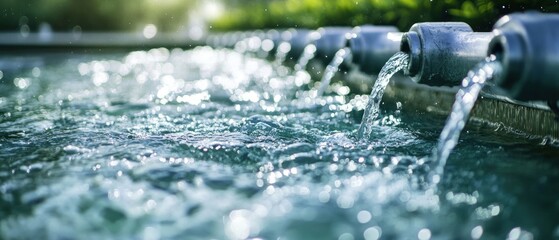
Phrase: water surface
(209, 143)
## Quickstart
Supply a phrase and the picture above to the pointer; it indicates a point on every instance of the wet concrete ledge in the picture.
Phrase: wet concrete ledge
(534, 119)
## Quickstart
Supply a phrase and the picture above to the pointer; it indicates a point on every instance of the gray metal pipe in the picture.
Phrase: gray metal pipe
(298, 39)
(528, 47)
(372, 46)
(443, 53)
(328, 41)
(216, 40)
(228, 40)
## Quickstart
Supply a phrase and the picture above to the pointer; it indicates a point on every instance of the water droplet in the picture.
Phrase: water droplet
(424, 234)
(477, 232)
(150, 31)
(514, 234)
(36, 72)
(324, 197)
(99, 78)
(239, 225)
(364, 216)
(22, 83)
(346, 236)
(372, 233)
(24, 30)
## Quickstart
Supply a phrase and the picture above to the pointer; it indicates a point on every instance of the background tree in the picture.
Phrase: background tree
(480, 14)
(94, 15)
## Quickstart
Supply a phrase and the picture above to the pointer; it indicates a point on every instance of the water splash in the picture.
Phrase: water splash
(396, 63)
(332, 68)
(465, 100)
(308, 54)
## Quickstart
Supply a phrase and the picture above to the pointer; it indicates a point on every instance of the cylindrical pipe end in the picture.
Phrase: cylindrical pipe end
(372, 46)
(330, 41)
(298, 41)
(509, 49)
(411, 44)
(526, 45)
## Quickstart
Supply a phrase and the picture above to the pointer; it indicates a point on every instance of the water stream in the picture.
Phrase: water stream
(281, 54)
(332, 69)
(396, 63)
(308, 54)
(465, 101)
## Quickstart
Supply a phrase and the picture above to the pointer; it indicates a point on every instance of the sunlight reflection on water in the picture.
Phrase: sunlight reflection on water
(211, 143)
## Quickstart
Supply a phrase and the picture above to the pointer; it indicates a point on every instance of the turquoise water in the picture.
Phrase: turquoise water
(202, 144)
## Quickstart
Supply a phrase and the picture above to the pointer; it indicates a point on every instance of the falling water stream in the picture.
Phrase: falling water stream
(332, 68)
(308, 54)
(283, 50)
(396, 63)
(465, 101)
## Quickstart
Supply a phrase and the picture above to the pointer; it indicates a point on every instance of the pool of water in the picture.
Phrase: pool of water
(212, 144)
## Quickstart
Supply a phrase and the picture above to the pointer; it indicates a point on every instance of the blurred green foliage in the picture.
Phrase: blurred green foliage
(480, 14)
(94, 15)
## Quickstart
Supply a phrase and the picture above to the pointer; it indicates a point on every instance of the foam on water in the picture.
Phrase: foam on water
(396, 63)
(212, 144)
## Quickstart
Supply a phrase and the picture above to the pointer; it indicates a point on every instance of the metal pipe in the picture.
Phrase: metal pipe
(328, 41)
(228, 40)
(528, 47)
(441, 54)
(211, 40)
(298, 40)
(372, 46)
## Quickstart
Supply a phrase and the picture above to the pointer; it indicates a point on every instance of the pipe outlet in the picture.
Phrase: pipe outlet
(372, 46)
(298, 40)
(441, 54)
(527, 46)
(328, 41)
